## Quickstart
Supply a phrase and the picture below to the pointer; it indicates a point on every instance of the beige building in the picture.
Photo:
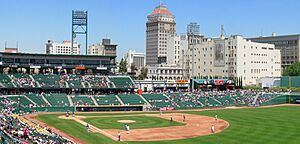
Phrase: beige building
(159, 25)
(62, 48)
(105, 48)
(233, 57)
(289, 45)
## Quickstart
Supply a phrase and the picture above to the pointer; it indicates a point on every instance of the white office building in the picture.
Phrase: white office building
(62, 48)
(233, 57)
(164, 72)
(135, 58)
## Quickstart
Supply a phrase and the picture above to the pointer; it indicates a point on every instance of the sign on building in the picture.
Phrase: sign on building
(219, 55)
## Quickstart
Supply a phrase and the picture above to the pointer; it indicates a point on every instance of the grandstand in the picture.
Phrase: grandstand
(225, 100)
(23, 80)
(65, 83)
(57, 99)
(74, 81)
(82, 100)
(107, 100)
(209, 101)
(183, 101)
(131, 99)
(49, 81)
(95, 82)
(5, 81)
(122, 81)
(23, 101)
(37, 99)
(157, 100)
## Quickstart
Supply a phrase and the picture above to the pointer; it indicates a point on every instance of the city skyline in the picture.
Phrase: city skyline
(32, 23)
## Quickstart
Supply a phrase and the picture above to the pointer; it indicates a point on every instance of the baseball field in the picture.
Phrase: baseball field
(271, 125)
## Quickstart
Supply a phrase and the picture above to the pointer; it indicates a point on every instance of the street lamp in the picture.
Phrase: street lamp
(192, 30)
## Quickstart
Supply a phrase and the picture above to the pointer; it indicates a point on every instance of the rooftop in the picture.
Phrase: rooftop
(161, 10)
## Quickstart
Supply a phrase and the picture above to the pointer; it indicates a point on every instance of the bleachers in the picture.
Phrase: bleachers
(23, 80)
(74, 81)
(122, 81)
(57, 99)
(225, 100)
(208, 101)
(182, 100)
(107, 100)
(95, 81)
(23, 101)
(37, 99)
(49, 81)
(5, 81)
(157, 100)
(131, 99)
(82, 100)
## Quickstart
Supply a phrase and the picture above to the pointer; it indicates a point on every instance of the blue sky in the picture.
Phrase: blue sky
(33, 22)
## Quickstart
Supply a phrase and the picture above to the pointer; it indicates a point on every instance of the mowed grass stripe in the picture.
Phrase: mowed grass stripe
(274, 125)
(140, 122)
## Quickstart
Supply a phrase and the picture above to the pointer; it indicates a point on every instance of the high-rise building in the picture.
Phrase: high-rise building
(136, 58)
(289, 45)
(62, 48)
(160, 24)
(233, 57)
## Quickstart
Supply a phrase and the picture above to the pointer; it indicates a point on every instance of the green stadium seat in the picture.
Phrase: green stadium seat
(107, 100)
(131, 99)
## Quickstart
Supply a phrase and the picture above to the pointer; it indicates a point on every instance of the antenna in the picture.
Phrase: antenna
(17, 44)
(222, 31)
(161, 2)
(5, 45)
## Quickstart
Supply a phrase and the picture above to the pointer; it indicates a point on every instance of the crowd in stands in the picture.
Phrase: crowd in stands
(95, 81)
(23, 81)
(64, 81)
(18, 130)
(220, 98)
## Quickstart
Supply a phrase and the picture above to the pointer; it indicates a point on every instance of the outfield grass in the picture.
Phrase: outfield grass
(274, 125)
(140, 122)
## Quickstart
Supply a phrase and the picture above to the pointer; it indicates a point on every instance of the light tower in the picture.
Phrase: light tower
(79, 26)
(192, 30)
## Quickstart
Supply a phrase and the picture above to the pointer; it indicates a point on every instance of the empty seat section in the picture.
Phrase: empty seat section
(81, 100)
(57, 99)
(122, 81)
(157, 100)
(37, 99)
(5, 81)
(107, 100)
(49, 81)
(131, 99)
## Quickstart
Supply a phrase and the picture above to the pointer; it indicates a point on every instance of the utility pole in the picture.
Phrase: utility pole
(192, 30)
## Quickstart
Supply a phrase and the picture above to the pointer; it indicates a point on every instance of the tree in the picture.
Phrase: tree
(123, 66)
(133, 68)
(293, 70)
(144, 72)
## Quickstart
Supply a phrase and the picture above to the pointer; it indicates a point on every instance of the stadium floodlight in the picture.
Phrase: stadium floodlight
(79, 26)
(192, 30)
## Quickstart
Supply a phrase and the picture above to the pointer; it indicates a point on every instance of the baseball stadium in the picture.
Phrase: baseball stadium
(87, 104)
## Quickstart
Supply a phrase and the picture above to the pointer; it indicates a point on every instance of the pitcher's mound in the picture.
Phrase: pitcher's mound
(126, 121)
